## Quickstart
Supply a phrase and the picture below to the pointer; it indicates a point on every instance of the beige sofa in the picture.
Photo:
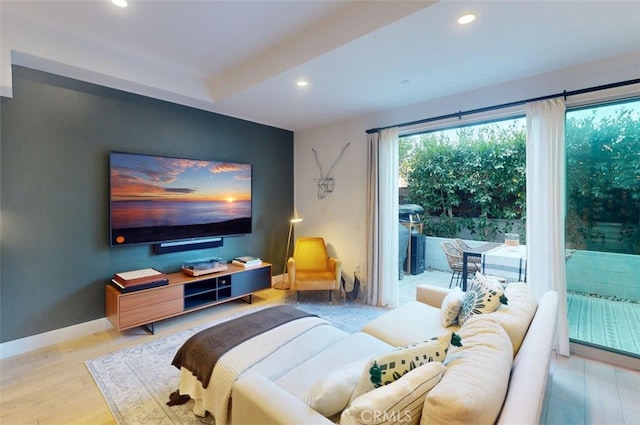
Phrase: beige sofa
(499, 374)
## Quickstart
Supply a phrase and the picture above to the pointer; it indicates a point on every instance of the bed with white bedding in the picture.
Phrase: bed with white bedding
(294, 342)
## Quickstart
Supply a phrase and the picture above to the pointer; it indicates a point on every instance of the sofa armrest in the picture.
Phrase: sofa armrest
(256, 401)
(530, 369)
(432, 295)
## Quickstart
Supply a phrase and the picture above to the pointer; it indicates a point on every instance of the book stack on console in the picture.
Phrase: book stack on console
(136, 280)
(247, 261)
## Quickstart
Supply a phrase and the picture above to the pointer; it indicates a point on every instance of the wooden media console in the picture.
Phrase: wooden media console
(183, 294)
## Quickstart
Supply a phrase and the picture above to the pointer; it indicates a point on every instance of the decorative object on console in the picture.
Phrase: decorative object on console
(125, 289)
(206, 266)
(295, 219)
(136, 280)
(247, 261)
(139, 276)
(327, 183)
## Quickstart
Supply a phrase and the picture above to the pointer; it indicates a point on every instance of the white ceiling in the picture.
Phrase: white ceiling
(242, 58)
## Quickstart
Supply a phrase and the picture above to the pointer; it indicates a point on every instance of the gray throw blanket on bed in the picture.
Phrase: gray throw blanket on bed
(200, 353)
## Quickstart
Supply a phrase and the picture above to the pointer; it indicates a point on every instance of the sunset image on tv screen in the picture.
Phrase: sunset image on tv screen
(156, 198)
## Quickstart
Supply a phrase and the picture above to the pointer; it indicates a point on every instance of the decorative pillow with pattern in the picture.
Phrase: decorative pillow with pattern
(451, 306)
(400, 402)
(484, 295)
(386, 368)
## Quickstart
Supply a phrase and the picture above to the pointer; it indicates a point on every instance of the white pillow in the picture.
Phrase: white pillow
(484, 295)
(451, 305)
(400, 402)
(332, 392)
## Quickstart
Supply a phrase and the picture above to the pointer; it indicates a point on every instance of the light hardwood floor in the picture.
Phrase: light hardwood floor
(585, 391)
(53, 386)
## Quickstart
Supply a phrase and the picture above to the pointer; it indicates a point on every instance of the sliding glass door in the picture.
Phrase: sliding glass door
(602, 226)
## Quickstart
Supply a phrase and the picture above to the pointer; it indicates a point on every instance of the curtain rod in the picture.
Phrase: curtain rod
(508, 105)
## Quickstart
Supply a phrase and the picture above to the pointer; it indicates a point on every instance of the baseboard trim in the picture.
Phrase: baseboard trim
(615, 359)
(35, 342)
(56, 336)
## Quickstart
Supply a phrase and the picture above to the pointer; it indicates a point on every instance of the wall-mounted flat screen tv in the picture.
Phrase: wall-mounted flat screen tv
(157, 199)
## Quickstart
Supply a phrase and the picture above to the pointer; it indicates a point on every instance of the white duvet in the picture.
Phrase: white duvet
(215, 398)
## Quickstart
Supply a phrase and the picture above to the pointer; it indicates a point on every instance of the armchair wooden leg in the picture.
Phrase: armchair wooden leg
(330, 296)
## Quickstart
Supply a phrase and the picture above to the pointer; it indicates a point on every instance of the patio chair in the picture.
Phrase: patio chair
(454, 258)
(462, 246)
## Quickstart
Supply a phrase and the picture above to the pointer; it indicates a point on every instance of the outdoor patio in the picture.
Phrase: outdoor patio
(597, 321)
(407, 285)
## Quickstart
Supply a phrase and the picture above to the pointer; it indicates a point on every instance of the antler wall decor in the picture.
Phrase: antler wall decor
(326, 183)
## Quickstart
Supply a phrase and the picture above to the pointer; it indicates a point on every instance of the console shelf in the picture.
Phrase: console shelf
(183, 294)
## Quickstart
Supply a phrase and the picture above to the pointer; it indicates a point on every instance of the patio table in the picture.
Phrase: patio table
(507, 262)
(474, 252)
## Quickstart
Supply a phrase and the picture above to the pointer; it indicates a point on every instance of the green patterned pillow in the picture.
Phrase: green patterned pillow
(386, 368)
(400, 402)
(484, 295)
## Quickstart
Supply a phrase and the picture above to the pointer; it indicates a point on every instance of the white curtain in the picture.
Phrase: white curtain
(382, 218)
(546, 207)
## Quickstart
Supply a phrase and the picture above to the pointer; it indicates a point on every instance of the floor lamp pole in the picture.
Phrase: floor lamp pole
(286, 256)
(296, 218)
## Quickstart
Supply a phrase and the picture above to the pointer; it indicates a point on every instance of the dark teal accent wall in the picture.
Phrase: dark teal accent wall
(56, 134)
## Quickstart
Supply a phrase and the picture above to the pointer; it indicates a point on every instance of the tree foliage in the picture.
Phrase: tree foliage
(479, 172)
(603, 166)
(603, 180)
(474, 173)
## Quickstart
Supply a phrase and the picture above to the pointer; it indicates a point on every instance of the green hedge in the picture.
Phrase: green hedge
(476, 174)
(479, 172)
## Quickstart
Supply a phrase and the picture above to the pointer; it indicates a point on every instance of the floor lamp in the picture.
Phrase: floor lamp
(295, 219)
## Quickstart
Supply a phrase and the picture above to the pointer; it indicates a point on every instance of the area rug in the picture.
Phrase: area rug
(604, 322)
(347, 315)
(136, 382)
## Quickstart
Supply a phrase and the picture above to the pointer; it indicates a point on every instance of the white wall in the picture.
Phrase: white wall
(341, 217)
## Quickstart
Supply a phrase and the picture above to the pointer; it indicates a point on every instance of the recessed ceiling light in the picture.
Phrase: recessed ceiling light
(467, 18)
(120, 3)
(302, 83)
